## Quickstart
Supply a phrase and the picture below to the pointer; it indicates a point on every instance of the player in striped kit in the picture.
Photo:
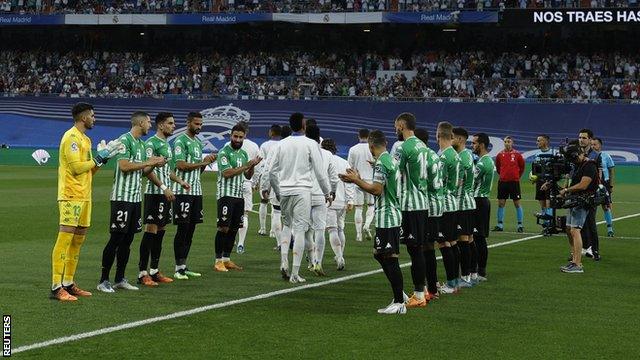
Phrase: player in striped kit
(483, 181)
(467, 206)
(187, 207)
(253, 151)
(126, 201)
(388, 217)
(360, 159)
(339, 207)
(435, 197)
(411, 157)
(448, 225)
(234, 167)
(157, 205)
(265, 148)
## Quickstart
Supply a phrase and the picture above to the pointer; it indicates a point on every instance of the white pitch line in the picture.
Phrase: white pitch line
(179, 314)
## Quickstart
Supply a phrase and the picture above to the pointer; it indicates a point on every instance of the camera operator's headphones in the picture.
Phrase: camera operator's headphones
(573, 152)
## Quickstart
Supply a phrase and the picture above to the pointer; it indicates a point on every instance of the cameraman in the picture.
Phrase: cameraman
(583, 182)
(591, 244)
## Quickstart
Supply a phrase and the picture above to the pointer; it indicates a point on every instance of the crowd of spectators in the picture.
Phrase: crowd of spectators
(287, 6)
(293, 74)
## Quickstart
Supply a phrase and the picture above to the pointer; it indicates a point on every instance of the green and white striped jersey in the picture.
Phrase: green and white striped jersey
(450, 165)
(155, 146)
(189, 150)
(387, 205)
(484, 172)
(128, 186)
(465, 192)
(412, 160)
(229, 158)
(435, 190)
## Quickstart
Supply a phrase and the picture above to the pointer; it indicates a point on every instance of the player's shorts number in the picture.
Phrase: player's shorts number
(184, 207)
(225, 210)
(122, 216)
(76, 211)
(161, 208)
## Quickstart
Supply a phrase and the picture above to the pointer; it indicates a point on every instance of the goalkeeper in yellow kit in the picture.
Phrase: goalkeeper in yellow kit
(75, 172)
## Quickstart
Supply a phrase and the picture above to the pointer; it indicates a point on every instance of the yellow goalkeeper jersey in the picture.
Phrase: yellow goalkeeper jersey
(74, 146)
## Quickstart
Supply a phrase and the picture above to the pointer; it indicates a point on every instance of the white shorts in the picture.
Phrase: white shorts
(335, 218)
(247, 192)
(319, 217)
(296, 211)
(362, 197)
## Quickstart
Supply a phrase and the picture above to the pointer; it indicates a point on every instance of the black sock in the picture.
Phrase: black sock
(219, 243)
(465, 258)
(187, 241)
(418, 267)
(145, 250)
(473, 263)
(156, 249)
(178, 243)
(122, 255)
(109, 255)
(431, 270)
(391, 268)
(230, 240)
(483, 254)
(448, 261)
(456, 258)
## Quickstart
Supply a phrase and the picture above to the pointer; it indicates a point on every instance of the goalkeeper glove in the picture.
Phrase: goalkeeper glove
(107, 151)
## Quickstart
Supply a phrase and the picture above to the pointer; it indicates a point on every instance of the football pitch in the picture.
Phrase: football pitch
(527, 309)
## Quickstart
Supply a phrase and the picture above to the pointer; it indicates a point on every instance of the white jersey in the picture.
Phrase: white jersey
(265, 149)
(394, 148)
(327, 165)
(361, 159)
(294, 159)
(344, 192)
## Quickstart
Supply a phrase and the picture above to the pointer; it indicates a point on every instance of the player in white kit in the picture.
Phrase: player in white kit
(361, 160)
(265, 148)
(341, 204)
(294, 159)
(315, 235)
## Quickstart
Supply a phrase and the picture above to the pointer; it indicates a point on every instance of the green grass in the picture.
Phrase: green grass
(528, 309)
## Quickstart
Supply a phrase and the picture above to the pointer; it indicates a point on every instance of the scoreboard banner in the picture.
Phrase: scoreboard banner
(530, 17)
(216, 19)
(9, 19)
(441, 17)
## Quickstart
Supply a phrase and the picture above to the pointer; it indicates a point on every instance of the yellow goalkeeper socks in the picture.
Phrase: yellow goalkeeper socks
(63, 242)
(71, 259)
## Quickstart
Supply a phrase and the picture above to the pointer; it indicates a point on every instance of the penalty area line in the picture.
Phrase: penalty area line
(201, 309)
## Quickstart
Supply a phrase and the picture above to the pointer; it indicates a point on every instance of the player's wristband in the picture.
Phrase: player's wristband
(163, 187)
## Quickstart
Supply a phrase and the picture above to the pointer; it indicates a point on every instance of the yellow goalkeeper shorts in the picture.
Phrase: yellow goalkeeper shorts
(75, 213)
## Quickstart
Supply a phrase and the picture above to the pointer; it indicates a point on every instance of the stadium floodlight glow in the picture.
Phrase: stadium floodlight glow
(367, 30)
(449, 30)
(141, 34)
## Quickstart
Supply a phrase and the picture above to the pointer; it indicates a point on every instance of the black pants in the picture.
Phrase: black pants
(589, 231)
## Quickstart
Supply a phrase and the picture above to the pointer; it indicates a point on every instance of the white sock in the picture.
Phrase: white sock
(320, 244)
(285, 240)
(153, 272)
(180, 267)
(343, 239)
(225, 259)
(334, 240)
(310, 246)
(419, 294)
(369, 216)
(276, 224)
(298, 250)
(262, 215)
(243, 230)
(357, 218)
(142, 273)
